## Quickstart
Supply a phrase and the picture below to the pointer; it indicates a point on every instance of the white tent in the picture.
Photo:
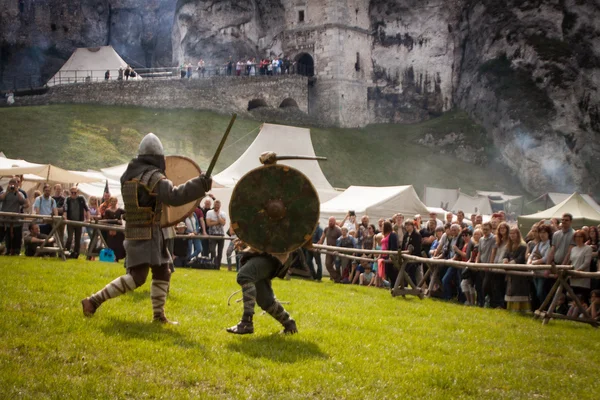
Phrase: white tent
(90, 64)
(283, 140)
(576, 204)
(440, 198)
(44, 172)
(558, 198)
(376, 202)
(472, 205)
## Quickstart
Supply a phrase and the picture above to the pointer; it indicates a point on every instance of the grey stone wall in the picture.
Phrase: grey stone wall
(220, 94)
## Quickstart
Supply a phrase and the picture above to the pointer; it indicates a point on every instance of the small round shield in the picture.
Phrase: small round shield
(179, 170)
(274, 208)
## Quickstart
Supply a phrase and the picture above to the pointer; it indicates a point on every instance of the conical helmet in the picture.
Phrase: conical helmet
(151, 146)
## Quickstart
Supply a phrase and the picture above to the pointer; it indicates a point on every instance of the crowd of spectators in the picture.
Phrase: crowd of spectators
(249, 66)
(497, 241)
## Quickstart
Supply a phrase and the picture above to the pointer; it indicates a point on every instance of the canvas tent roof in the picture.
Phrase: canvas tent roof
(283, 140)
(436, 197)
(558, 198)
(498, 197)
(90, 61)
(472, 205)
(576, 204)
(376, 202)
(46, 172)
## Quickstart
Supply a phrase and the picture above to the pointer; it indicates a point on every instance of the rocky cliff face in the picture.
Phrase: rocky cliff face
(527, 70)
(216, 30)
(37, 36)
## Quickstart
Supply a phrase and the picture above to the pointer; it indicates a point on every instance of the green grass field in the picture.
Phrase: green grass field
(353, 343)
(89, 136)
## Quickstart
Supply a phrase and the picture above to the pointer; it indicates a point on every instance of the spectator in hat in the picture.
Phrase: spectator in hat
(438, 222)
(181, 247)
(12, 200)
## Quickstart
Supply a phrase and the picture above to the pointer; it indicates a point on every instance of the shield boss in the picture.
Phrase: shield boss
(274, 208)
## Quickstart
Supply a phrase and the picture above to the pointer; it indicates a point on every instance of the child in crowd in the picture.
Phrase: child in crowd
(574, 310)
(562, 306)
(594, 308)
(367, 278)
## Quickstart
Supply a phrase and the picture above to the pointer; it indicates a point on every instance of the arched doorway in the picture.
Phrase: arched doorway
(288, 103)
(256, 103)
(305, 65)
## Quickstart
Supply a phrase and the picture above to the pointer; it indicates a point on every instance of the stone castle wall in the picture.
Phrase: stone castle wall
(220, 94)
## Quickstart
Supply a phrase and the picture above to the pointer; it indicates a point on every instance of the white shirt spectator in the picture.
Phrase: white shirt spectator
(216, 229)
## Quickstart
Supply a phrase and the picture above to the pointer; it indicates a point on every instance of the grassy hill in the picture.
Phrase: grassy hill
(91, 137)
(353, 343)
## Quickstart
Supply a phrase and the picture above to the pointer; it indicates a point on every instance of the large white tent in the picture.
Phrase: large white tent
(472, 205)
(376, 202)
(90, 64)
(283, 140)
(41, 172)
(440, 198)
(576, 204)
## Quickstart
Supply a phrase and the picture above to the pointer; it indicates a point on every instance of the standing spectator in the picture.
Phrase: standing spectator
(452, 276)
(594, 243)
(449, 217)
(540, 255)
(127, 72)
(201, 68)
(469, 275)
(120, 74)
(114, 216)
(182, 70)
(230, 66)
(189, 70)
(20, 179)
(207, 207)
(486, 245)
(580, 257)
(439, 232)
(230, 248)
(194, 228)
(494, 285)
(412, 244)
(309, 255)
(349, 221)
(389, 242)
(34, 239)
(105, 202)
(363, 231)
(12, 200)
(331, 234)
(60, 199)
(45, 205)
(238, 68)
(428, 236)
(216, 220)
(562, 241)
(438, 222)
(347, 242)
(75, 210)
(517, 287)
(107, 75)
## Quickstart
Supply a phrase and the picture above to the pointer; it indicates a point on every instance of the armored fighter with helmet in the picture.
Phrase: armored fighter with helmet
(145, 190)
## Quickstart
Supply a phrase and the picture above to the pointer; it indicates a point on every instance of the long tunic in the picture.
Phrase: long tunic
(517, 287)
(154, 251)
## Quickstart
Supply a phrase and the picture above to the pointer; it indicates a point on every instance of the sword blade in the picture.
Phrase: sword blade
(218, 152)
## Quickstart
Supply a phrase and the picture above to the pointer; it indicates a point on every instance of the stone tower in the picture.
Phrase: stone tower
(330, 40)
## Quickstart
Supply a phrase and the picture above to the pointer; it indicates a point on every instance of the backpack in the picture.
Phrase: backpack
(107, 255)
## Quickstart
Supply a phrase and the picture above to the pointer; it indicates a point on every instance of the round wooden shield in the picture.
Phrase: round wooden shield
(179, 170)
(274, 208)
